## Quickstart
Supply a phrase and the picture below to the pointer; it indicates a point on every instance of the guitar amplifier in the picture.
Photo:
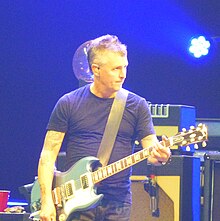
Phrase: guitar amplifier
(170, 119)
(178, 190)
(211, 189)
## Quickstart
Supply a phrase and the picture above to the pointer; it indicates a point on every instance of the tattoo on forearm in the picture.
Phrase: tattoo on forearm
(53, 139)
(45, 160)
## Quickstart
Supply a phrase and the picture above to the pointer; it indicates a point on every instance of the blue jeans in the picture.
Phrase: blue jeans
(107, 211)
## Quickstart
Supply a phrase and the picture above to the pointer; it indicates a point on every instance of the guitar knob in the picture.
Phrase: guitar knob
(62, 217)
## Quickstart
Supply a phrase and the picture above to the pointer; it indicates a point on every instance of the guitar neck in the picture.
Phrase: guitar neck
(192, 136)
(120, 165)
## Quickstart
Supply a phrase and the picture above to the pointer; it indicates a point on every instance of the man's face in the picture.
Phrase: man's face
(112, 71)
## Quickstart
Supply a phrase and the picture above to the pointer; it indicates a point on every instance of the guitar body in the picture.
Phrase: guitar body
(73, 190)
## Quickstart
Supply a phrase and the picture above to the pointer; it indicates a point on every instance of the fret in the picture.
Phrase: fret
(104, 171)
(122, 164)
(118, 164)
(146, 153)
(129, 161)
(137, 157)
(132, 159)
(141, 155)
(100, 174)
(96, 177)
(109, 170)
(115, 167)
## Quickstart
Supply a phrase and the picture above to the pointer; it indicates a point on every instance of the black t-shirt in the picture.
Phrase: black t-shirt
(83, 116)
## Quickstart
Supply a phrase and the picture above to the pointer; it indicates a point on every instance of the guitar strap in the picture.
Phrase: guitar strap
(112, 126)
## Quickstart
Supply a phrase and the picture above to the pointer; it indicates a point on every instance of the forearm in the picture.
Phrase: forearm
(45, 174)
(52, 144)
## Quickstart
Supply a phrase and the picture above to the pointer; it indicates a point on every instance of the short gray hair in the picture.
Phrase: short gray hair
(105, 43)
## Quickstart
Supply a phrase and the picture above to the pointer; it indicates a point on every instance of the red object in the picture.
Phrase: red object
(4, 195)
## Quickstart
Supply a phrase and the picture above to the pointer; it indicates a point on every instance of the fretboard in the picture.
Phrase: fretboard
(120, 165)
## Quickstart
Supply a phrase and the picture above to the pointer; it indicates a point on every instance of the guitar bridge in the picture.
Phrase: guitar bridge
(57, 197)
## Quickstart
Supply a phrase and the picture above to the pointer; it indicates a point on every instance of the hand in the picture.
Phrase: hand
(160, 153)
(48, 211)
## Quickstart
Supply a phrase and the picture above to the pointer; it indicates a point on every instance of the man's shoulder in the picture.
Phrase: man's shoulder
(77, 92)
(134, 96)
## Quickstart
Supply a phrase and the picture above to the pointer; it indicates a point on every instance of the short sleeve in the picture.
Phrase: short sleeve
(144, 123)
(59, 117)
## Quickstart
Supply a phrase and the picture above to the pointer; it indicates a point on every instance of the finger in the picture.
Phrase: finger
(161, 155)
(165, 138)
(156, 153)
(163, 149)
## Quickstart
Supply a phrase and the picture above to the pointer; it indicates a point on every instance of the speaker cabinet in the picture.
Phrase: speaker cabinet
(211, 209)
(141, 204)
(178, 190)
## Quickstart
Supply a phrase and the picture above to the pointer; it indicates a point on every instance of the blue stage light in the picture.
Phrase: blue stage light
(199, 46)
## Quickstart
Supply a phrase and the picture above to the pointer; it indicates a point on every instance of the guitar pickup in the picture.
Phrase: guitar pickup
(69, 188)
(84, 181)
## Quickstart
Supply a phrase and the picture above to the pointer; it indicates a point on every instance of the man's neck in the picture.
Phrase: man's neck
(100, 92)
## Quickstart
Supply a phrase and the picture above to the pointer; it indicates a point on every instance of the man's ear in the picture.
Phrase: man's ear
(95, 69)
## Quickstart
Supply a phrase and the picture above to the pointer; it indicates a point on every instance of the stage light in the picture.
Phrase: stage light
(199, 46)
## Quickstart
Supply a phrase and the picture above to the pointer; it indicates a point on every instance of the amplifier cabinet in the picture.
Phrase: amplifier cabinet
(211, 206)
(179, 190)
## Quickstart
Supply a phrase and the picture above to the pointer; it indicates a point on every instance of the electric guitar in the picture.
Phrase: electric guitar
(75, 189)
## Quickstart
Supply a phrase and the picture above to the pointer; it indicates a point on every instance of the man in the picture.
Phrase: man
(81, 116)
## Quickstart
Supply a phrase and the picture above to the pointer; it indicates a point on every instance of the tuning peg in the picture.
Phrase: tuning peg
(188, 148)
(192, 140)
(184, 129)
(196, 146)
(192, 127)
(203, 144)
(184, 142)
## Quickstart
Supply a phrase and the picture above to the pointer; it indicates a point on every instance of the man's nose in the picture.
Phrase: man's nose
(123, 73)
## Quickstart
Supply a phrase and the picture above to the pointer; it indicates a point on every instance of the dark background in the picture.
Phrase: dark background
(37, 43)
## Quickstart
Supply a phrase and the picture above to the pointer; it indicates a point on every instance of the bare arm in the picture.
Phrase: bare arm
(159, 153)
(52, 144)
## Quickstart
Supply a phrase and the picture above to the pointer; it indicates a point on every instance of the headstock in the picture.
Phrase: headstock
(192, 136)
